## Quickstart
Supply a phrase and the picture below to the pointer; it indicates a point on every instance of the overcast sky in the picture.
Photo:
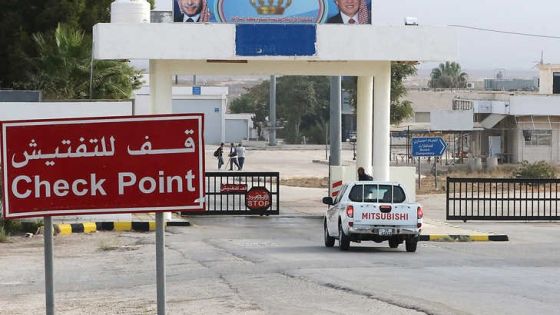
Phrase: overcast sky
(485, 50)
(481, 50)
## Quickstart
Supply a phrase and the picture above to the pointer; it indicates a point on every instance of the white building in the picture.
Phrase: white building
(513, 127)
(209, 100)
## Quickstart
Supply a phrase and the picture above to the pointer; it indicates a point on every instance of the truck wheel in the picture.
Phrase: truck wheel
(343, 239)
(411, 244)
(329, 240)
(393, 242)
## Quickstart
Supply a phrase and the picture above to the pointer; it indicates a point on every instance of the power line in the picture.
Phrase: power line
(504, 32)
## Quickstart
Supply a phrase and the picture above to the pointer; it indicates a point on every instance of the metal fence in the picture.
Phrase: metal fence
(225, 192)
(502, 199)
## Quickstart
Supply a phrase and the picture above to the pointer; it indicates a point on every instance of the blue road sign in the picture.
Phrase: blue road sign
(196, 90)
(428, 146)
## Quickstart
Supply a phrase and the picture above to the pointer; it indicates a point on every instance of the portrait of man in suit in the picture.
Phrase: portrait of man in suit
(191, 11)
(351, 12)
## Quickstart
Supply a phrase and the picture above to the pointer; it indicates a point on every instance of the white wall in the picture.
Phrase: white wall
(52, 110)
(214, 115)
(212, 103)
(406, 176)
(546, 76)
(204, 90)
(535, 153)
(429, 100)
(448, 120)
(217, 42)
(236, 130)
(142, 104)
(491, 107)
(538, 105)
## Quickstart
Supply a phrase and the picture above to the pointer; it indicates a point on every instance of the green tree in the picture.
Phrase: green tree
(20, 19)
(448, 75)
(316, 122)
(62, 69)
(254, 100)
(297, 100)
(303, 104)
(401, 109)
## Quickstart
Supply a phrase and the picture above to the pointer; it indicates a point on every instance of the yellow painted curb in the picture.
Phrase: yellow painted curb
(123, 226)
(64, 229)
(479, 238)
(463, 238)
(90, 227)
(152, 225)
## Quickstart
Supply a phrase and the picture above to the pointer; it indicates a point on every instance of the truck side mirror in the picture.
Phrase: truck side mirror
(328, 201)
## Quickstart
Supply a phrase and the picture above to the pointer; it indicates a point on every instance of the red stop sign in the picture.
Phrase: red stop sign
(258, 199)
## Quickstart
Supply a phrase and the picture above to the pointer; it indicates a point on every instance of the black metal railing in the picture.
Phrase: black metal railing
(502, 199)
(225, 192)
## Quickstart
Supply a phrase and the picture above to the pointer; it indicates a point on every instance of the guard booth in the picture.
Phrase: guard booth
(233, 37)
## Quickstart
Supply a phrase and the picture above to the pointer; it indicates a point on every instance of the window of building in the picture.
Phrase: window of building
(422, 117)
(538, 137)
(556, 83)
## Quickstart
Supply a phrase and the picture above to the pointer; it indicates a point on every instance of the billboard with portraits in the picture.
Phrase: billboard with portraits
(273, 11)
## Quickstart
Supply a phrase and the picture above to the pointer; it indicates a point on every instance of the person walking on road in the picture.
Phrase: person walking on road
(240, 155)
(219, 154)
(233, 157)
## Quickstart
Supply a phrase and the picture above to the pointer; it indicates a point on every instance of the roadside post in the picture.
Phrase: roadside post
(160, 263)
(428, 147)
(49, 269)
(138, 164)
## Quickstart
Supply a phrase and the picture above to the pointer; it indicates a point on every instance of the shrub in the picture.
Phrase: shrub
(3, 235)
(539, 169)
(11, 227)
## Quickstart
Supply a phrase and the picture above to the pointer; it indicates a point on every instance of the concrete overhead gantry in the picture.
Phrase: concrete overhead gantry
(364, 51)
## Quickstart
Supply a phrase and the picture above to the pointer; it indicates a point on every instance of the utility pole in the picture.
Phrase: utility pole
(272, 114)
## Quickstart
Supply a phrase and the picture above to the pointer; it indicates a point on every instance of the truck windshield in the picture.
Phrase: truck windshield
(377, 193)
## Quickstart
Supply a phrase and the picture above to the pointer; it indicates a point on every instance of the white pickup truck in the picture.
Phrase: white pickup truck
(372, 211)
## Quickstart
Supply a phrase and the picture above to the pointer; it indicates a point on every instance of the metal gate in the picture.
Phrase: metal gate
(502, 199)
(226, 192)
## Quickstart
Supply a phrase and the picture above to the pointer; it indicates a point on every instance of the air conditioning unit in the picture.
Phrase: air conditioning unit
(470, 85)
(411, 20)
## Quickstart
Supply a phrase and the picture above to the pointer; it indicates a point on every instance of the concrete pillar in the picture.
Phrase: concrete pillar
(160, 87)
(364, 126)
(161, 94)
(335, 121)
(382, 122)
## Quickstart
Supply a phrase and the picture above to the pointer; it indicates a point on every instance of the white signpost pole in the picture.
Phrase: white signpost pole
(49, 283)
(160, 262)
(435, 172)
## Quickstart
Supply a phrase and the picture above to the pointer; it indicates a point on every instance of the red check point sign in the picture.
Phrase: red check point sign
(104, 165)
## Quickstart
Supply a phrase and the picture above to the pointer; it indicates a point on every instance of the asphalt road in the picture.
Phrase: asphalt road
(278, 265)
